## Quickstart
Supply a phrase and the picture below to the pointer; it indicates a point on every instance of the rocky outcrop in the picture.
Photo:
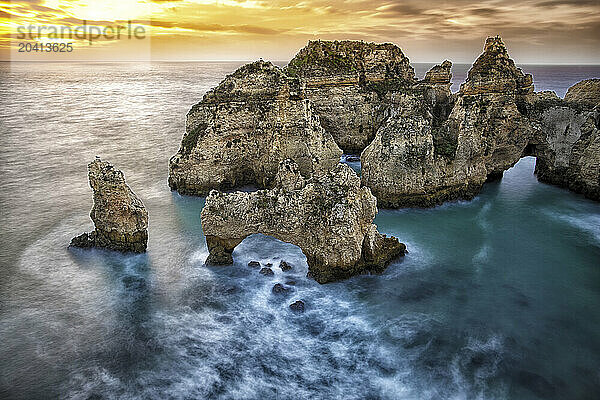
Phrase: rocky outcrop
(439, 74)
(345, 82)
(330, 217)
(495, 72)
(567, 139)
(434, 148)
(242, 129)
(585, 93)
(423, 145)
(119, 216)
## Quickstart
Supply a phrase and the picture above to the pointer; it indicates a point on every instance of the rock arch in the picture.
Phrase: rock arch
(497, 118)
(330, 217)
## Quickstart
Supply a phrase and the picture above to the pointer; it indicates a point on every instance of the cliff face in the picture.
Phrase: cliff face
(585, 93)
(567, 138)
(330, 217)
(345, 82)
(432, 148)
(119, 216)
(422, 144)
(243, 128)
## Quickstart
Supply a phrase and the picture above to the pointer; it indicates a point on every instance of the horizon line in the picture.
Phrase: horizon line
(249, 61)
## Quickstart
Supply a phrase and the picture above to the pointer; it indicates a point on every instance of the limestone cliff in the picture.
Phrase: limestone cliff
(242, 129)
(330, 217)
(439, 74)
(345, 82)
(567, 139)
(119, 216)
(432, 148)
(585, 93)
(423, 145)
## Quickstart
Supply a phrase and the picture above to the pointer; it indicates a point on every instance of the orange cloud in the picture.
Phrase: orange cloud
(542, 31)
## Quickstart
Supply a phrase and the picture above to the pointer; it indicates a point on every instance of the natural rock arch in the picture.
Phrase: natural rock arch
(330, 217)
(415, 160)
(566, 139)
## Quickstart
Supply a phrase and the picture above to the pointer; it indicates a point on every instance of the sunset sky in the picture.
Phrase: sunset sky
(544, 31)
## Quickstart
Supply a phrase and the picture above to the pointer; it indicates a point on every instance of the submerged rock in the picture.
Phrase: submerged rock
(285, 266)
(254, 264)
(266, 271)
(329, 217)
(242, 129)
(297, 306)
(280, 289)
(345, 82)
(119, 216)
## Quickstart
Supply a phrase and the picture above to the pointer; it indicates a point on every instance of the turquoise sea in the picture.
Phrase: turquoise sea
(498, 298)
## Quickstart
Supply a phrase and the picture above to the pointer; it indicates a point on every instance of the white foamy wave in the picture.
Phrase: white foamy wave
(589, 223)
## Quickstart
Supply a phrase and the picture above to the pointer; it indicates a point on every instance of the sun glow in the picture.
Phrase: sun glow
(108, 10)
(248, 29)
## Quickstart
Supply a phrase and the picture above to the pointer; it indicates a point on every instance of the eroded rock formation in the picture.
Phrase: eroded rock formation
(346, 81)
(585, 93)
(423, 145)
(330, 217)
(434, 147)
(566, 142)
(242, 129)
(119, 216)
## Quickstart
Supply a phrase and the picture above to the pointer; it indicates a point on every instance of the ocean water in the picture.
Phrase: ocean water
(499, 297)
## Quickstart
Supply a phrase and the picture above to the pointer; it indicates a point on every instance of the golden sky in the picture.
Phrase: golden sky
(543, 31)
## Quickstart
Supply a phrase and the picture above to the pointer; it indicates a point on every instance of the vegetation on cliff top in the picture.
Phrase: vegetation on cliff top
(322, 55)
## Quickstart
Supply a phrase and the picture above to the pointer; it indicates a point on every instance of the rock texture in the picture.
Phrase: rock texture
(421, 144)
(345, 82)
(567, 138)
(330, 217)
(242, 129)
(439, 74)
(434, 148)
(585, 93)
(119, 216)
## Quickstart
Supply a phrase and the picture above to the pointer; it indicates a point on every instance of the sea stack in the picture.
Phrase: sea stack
(119, 216)
(436, 146)
(330, 217)
(420, 144)
(243, 128)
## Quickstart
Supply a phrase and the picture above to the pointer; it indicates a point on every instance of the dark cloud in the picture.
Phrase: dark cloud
(402, 9)
(484, 11)
(571, 3)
